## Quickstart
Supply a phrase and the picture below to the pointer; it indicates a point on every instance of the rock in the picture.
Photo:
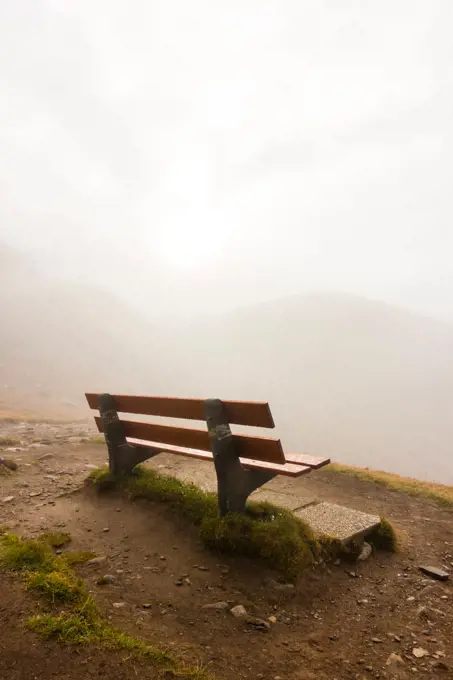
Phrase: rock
(105, 529)
(45, 456)
(147, 605)
(394, 659)
(441, 666)
(434, 572)
(376, 640)
(97, 560)
(281, 587)
(8, 499)
(239, 611)
(118, 605)
(105, 580)
(419, 652)
(366, 552)
(10, 464)
(218, 606)
(272, 619)
(258, 624)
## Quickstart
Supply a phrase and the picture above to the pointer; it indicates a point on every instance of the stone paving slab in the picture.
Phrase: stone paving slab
(284, 500)
(338, 522)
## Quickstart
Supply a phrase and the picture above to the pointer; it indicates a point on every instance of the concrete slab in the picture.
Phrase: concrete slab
(337, 521)
(284, 500)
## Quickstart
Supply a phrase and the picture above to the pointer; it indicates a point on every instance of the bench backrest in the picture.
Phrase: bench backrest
(253, 414)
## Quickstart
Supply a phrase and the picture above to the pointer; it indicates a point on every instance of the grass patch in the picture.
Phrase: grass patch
(56, 539)
(267, 532)
(74, 557)
(384, 537)
(440, 493)
(95, 440)
(8, 441)
(52, 579)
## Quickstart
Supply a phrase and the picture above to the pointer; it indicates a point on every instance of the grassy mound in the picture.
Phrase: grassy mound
(266, 532)
(440, 493)
(77, 620)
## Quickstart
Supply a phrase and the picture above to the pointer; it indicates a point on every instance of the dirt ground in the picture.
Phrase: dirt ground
(343, 621)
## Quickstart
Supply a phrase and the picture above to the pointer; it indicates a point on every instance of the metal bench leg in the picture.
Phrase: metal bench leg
(123, 457)
(234, 483)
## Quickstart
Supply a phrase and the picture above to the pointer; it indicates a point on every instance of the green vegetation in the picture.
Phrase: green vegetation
(440, 493)
(265, 531)
(8, 441)
(77, 621)
(384, 537)
(95, 440)
(56, 539)
(74, 557)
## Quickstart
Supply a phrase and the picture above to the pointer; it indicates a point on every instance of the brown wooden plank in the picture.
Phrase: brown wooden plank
(288, 470)
(305, 459)
(257, 448)
(251, 413)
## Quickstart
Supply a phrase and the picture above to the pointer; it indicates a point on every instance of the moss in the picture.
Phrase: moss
(8, 441)
(73, 557)
(384, 537)
(94, 440)
(265, 531)
(56, 539)
(57, 586)
(51, 578)
(440, 493)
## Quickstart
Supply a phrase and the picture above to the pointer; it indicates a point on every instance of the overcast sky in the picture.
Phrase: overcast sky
(202, 154)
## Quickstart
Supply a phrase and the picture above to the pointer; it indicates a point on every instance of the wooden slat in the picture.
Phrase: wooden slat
(304, 459)
(251, 413)
(256, 448)
(288, 469)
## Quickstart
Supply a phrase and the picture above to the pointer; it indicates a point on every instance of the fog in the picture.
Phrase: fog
(240, 199)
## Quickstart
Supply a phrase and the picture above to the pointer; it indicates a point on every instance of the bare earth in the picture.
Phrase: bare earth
(343, 622)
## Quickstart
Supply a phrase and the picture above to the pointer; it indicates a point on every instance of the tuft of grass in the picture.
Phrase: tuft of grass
(20, 554)
(267, 532)
(73, 557)
(440, 493)
(8, 441)
(56, 539)
(56, 586)
(95, 440)
(51, 578)
(384, 537)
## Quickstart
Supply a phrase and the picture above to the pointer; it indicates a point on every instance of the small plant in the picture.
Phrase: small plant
(384, 537)
(56, 539)
(57, 586)
(73, 557)
(8, 441)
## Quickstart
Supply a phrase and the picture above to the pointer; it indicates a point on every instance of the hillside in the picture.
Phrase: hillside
(364, 382)
(59, 339)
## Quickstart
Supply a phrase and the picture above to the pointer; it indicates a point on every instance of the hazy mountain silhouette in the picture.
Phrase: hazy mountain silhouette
(360, 381)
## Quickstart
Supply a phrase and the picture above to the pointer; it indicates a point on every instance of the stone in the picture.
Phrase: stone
(105, 580)
(147, 605)
(8, 499)
(419, 652)
(239, 611)
(258, 624)
(394, 659)
(97, 560)
(272, 619)
(218, 606)
(105, 529)
(118, 605)
(280, 587)
(434, 572)
(338, 522)
(366, 552)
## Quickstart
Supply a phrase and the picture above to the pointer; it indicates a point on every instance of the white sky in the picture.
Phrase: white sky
(201, 154)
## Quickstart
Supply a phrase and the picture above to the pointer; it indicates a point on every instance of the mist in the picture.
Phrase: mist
(242, 200)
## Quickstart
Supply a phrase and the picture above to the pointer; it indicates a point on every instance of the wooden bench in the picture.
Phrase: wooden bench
(242, 462)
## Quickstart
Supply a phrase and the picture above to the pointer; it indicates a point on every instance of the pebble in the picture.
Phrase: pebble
(434, 572)
(419, 652)
(105, 529)
(239, 611)
(394, 659)
(366, 552)
(218, 606)
(97, 560)
(119, 605)
(8, 499)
